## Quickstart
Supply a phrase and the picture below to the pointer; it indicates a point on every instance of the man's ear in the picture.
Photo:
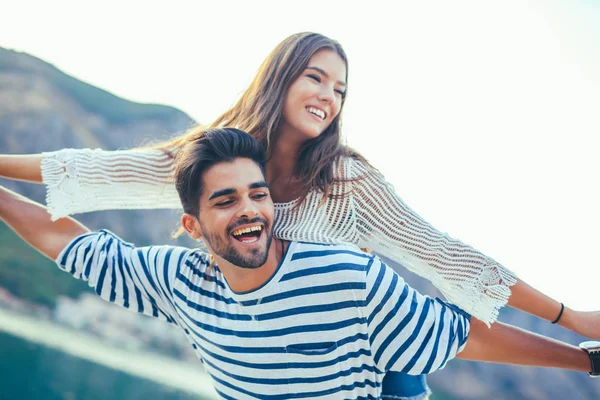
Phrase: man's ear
(191, 226)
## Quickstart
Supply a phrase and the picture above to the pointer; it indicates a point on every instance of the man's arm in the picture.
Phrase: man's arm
(409, 332)
(415, 334)
(136, 278)
(32, 223)
(508, 344)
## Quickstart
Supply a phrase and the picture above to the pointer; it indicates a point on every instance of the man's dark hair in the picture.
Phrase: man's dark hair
(200, 153)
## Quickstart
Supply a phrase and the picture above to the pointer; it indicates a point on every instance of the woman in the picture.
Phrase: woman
(324, 191)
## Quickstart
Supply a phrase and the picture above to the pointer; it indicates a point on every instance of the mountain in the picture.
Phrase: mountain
(43, 109)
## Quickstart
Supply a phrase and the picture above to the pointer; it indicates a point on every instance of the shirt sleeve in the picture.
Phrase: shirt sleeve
(136, 278)
(466, 277)
(410, 332)
(91, 180)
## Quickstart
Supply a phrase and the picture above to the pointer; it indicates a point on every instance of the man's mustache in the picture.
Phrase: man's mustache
(246, 221)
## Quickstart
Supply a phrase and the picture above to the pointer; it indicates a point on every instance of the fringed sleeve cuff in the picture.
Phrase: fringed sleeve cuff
(87, 180)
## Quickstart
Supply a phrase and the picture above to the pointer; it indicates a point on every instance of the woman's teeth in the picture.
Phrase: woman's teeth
(317, 112)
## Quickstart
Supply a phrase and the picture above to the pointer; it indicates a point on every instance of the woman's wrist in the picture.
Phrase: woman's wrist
(568, 319)
(22, 167)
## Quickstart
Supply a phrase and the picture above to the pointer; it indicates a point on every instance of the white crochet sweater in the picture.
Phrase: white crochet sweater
(371, 216)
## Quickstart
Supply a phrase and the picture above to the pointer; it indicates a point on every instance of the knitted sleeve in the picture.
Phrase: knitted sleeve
(91, 180)
(466, 277)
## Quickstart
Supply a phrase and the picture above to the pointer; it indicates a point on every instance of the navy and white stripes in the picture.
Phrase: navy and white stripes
(329, 323)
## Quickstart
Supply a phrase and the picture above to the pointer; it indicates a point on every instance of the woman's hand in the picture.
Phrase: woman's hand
(585, 323)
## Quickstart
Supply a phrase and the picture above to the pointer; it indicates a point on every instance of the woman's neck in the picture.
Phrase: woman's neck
(283, 160)
(280, 170)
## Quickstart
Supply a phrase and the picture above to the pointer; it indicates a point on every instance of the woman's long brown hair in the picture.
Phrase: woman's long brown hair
(259, 112)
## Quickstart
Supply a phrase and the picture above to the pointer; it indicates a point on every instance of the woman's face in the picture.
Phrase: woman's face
(314, 99)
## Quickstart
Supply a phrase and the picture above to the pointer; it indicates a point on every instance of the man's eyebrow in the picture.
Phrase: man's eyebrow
(260, 184)
(228, 191)
(322, 72)
(222, 192)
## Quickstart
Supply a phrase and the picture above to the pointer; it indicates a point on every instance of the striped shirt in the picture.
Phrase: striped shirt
(329, 323)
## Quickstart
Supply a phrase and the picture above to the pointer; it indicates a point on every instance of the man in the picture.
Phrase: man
(268, 318)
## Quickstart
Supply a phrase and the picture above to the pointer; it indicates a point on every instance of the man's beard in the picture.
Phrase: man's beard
(224, 248)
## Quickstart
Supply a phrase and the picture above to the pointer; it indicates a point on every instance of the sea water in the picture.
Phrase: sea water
(70, 366)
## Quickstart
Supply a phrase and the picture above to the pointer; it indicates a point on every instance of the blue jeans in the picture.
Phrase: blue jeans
(397, 385)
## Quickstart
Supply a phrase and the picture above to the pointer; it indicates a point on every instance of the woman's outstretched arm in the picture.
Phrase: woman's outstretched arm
(534, 302)
(473, 281)
(466, 277)
(24, 167)
(91, 180)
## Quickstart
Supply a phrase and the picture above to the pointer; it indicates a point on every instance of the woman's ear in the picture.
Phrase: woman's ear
(191, 226)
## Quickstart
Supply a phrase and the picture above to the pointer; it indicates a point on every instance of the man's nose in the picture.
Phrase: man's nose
(247, 209)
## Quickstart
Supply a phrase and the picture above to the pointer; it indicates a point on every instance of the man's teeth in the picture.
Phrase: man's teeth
(247, 230)
(317, 112)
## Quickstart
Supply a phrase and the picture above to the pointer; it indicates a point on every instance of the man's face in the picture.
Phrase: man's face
(236, 213)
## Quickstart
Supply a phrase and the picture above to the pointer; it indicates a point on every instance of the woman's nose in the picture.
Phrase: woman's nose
(327, 94)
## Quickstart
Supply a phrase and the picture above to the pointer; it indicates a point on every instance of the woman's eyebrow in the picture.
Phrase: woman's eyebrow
(322, 72)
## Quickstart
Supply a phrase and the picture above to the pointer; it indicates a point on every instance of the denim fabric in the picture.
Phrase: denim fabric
(399, 386)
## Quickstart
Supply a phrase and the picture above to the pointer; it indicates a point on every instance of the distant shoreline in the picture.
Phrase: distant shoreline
(177, 374)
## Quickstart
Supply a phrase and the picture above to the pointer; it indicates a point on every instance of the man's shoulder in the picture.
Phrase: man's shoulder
(104, 238)
(326, 266)
(329, 253)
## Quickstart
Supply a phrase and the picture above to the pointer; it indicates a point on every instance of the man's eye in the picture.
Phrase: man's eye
(224, 203)
(314, 78)
(341, 92)
(260, 196)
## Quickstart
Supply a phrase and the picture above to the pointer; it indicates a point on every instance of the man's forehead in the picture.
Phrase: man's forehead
(240, 173)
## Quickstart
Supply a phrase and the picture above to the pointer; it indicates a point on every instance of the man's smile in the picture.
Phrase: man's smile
(248, 234)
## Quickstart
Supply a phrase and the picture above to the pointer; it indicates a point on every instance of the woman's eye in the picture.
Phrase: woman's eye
(314, 78)
(341, 92)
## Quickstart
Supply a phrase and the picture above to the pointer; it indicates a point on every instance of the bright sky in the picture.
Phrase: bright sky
(484, 115)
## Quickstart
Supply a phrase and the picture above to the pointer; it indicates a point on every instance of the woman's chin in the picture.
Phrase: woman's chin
(305, 133)
(312, 132)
